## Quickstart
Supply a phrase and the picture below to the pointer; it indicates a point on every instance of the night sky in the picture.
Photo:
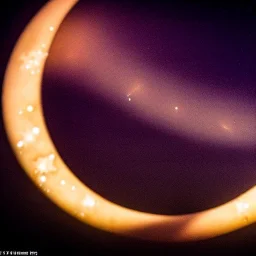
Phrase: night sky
(115, 150)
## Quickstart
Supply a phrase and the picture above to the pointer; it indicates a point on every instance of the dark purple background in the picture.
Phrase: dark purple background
(126, 160)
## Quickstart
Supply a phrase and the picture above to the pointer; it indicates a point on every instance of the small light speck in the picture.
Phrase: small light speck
(43, 178)
(88, 201)
(51, 157)
(20, 144)
(29, 137)
(176, 108)
(36, 130)
(73, 188)
(242, 207)
(51, 28)
(45, 164)
(225, 127)
(30, 108)
(62, 182)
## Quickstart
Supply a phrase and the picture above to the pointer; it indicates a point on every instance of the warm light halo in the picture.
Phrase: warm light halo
(31, 142)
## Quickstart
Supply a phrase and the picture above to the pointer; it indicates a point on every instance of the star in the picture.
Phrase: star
(29, 136)
(88, 201)
(45, 164)
(33, 60)
(242, 207)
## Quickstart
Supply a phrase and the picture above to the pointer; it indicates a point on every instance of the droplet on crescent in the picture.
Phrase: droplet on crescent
(20, 144)
(62, 182)
(88, 201)
(43, 179)
(30, 108)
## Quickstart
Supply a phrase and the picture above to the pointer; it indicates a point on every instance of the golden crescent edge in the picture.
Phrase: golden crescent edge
(35, 151)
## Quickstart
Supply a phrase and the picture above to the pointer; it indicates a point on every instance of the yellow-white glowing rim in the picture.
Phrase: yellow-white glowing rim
(38, 156)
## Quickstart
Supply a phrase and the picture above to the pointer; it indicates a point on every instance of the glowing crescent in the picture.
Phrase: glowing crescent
(38, 156)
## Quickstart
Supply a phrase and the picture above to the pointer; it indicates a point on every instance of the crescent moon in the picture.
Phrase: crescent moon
(34, 149)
